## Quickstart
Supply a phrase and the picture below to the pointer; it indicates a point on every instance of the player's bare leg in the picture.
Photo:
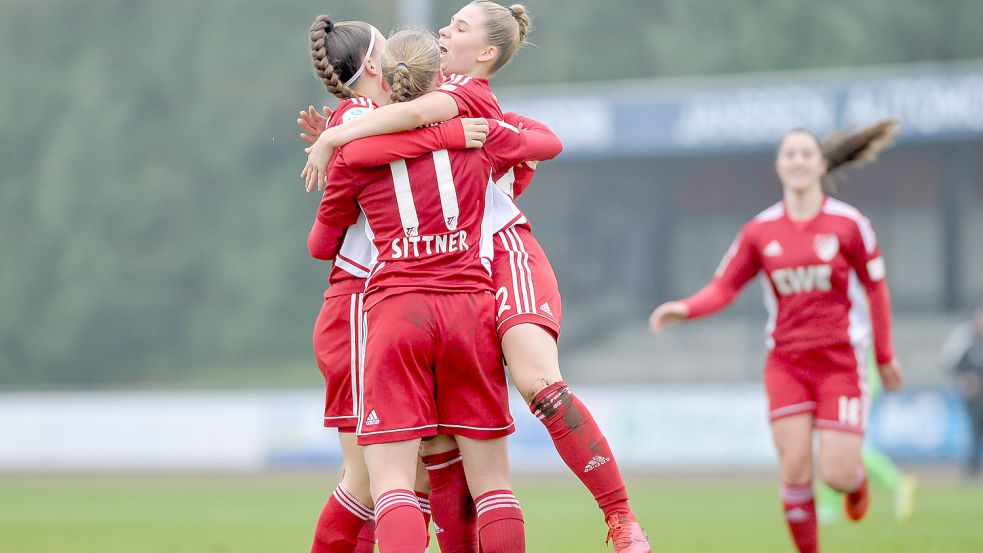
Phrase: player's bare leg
(356, 475)
(399, 519)
(454, 515)
(793, 440)
(841, 468)
(533, 361)
(500, 524)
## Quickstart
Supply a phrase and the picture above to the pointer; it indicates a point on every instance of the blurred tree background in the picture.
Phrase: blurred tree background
(152, 223)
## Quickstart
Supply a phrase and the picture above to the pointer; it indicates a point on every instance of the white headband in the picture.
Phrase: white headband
(361, 68)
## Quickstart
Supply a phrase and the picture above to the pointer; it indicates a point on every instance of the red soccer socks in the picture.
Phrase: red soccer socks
(454, 516)
(582, 446)
(500, 525)
(399, 525)
(800, 514)
(340, 523)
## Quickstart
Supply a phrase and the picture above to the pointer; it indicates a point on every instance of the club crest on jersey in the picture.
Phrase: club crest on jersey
(826, 246)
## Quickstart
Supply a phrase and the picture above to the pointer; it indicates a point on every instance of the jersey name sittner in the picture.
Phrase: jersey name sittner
(429, 244)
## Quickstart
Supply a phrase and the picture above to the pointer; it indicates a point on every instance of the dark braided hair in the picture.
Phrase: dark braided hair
(337, 51)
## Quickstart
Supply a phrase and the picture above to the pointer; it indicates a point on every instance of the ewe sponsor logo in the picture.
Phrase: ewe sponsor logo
(799, 280)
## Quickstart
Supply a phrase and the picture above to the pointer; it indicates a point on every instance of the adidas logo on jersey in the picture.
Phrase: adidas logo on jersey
(595, 462)
(372, 419)
(545, 308)
(773, 249)
(436, 529)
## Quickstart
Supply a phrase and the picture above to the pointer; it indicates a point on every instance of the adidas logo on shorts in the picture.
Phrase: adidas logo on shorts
(595, 462)
(372, 419)
(545, 308)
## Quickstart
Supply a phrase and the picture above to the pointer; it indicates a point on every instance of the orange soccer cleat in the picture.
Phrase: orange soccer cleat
(627, 535)
(857, 502)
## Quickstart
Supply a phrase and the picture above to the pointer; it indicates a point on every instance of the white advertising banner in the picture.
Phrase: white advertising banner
(698, 427)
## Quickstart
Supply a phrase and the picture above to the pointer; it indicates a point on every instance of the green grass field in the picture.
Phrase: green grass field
(276, 513)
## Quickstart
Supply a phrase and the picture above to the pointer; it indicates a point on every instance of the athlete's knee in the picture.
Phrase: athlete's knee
(839, 476)
(530, 389)
(796, 465)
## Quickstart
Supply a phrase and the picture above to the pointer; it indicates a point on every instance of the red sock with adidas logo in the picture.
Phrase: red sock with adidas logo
(500, 525)
(800, 514)
(582, 446)
(454, 517)
(340, 523)
(399, 523)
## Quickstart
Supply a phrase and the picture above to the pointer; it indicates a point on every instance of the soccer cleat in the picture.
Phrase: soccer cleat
(904, 498)
(857, 502)
(627, 535)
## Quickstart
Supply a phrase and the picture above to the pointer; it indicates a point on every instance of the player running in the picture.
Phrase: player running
(827, 297)
(480, 39)
(432, 360)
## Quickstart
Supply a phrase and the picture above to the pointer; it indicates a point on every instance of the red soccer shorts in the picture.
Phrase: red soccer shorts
(525, 285)
(829, 383)
(433, 364)
(337, 336)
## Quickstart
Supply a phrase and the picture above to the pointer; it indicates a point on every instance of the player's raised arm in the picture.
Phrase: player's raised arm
(337, 211)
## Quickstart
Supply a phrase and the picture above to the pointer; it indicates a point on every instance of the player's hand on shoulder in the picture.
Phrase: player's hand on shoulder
(318, 156)
(891, 375)
(312, 123)
(667, 314)
(475, 131)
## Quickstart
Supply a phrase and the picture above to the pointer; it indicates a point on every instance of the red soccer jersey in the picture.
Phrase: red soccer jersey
(351, 264)
(426, 214)
(473, 96)
(819, 276)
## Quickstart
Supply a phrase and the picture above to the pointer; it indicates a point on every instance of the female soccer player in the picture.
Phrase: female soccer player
(827, 296)
(432, 361)
(480, 40)
(347, 58)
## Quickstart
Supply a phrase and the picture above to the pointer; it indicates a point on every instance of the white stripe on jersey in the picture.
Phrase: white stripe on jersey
(445, 187)
(404, 198)
(837, 207)
(771, 304)
(860, 329)
(774, 212)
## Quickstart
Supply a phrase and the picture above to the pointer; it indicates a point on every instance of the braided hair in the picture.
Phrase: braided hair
(337, 51)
